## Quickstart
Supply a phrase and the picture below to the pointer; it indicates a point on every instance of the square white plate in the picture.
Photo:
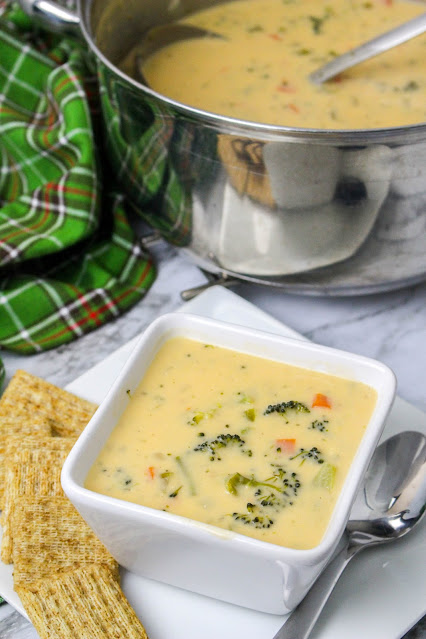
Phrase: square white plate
(381, 594)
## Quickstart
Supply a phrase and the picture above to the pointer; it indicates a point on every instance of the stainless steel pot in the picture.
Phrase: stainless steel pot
(311, 211)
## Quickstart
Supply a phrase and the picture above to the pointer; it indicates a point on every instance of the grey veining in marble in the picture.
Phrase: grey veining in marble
(14, 626)
(390, 327)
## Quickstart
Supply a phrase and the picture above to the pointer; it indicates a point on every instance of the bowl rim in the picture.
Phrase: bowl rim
(173, 324)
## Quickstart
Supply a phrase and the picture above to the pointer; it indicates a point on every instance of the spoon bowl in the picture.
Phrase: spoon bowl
(390, 502)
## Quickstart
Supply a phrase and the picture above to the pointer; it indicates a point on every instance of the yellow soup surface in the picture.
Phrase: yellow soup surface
(259, 70)
(244, 443)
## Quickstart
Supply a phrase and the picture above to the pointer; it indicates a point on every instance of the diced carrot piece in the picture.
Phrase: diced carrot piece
(340, 77)
(275, 36)
(293, 107)
(286, 445)
(321, 401)
(151, 472)
(284, 87)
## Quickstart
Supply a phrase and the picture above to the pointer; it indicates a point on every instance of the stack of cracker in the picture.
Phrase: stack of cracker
(66, 579)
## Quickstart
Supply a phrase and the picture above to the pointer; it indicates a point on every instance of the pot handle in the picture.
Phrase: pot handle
(52, 16)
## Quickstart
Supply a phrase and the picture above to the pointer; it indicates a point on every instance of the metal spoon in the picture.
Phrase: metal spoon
(382, 43)
(391, 501)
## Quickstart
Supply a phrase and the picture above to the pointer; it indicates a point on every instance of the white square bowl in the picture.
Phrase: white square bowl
(196, 556)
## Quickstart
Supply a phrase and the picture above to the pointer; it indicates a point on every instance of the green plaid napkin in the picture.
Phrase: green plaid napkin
(69, 259)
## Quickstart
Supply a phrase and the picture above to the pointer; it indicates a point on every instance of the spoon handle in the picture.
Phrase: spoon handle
(406, 31)
(302, 620)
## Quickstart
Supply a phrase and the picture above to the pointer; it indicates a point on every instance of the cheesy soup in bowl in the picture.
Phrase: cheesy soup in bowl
(225, 460)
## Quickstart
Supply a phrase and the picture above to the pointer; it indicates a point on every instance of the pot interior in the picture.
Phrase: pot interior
(117, 25)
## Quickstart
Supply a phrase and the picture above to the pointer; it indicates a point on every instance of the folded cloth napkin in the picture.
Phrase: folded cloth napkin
(69, 259)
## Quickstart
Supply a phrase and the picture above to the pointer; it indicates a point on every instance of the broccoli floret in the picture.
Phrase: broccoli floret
(313, 454)
(212, 446)
(283, 407)
(258, 521)
(272, 494)
(319, 425)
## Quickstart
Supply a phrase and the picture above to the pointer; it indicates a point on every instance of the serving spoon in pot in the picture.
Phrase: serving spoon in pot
(390, 502)
(370, 49)
(172, 32)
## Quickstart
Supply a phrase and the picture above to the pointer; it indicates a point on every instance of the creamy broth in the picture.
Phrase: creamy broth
(260, 71)
(247, 444)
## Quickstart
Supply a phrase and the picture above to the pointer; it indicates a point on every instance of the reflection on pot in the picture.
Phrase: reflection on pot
(255, 207)
(292, 208)
(140, 139)
(408, 178)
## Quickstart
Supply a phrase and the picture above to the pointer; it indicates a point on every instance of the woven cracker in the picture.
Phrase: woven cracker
(16, 444)
(21, 425)
(28, 394)
(33, 467)
(85, 602)
(35, 425)
(51, 537)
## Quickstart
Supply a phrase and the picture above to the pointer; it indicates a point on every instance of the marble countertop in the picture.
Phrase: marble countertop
(390, 327)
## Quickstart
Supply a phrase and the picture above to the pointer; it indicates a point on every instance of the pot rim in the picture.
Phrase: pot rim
(406, 133)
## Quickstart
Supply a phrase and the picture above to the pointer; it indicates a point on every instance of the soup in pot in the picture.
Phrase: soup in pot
(247, 444)
(259, 70)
